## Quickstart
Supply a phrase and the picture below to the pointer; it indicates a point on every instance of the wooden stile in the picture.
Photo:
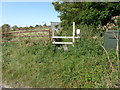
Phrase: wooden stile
(67, 37)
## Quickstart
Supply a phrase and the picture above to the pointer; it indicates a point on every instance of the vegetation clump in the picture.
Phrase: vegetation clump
(114, 24)
(84, 66)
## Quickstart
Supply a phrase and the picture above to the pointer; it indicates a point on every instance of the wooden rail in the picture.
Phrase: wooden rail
(27, 36)
(62, 43)
(42, 36)
(64, 37)
(26, 32)
(19, 41)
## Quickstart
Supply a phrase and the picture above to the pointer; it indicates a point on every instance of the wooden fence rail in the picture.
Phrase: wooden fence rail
(26, 32)
(4, 35)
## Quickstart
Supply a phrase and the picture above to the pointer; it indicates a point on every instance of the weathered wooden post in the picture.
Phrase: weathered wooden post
(49, 36)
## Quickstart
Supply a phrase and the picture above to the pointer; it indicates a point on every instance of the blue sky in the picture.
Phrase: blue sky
(28, 13)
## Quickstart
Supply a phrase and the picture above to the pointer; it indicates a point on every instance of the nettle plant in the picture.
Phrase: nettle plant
(114, 24)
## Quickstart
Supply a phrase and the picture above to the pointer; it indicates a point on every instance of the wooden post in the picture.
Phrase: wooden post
(73, 33)
(49, 35)
(53, 32)
(52, 35)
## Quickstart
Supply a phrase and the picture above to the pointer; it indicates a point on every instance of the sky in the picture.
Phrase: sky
(28, 13)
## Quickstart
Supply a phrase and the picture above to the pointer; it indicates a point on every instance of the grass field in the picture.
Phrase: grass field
(33, 35)
(41, 65)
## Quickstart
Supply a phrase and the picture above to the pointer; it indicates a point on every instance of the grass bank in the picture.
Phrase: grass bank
(37, 65)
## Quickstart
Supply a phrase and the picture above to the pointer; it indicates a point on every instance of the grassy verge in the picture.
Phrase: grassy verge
(85, 66)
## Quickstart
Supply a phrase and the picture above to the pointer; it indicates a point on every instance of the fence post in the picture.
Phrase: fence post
(73, 33)
(49, 35)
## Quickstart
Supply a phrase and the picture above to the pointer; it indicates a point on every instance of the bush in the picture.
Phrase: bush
(5, 30)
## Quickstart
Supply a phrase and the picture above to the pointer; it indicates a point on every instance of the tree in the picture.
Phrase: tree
(15, 27)
(40, 25)
(31, 27)
(90, 13)
(36, 25)
(45, 24)
(94, 15)
(68, 11)
(5, 28)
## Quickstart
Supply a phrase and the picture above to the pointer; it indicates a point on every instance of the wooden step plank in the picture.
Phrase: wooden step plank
(64, 37)
(62, 43)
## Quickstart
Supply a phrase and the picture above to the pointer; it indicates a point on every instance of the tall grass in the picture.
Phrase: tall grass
(84, 66)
